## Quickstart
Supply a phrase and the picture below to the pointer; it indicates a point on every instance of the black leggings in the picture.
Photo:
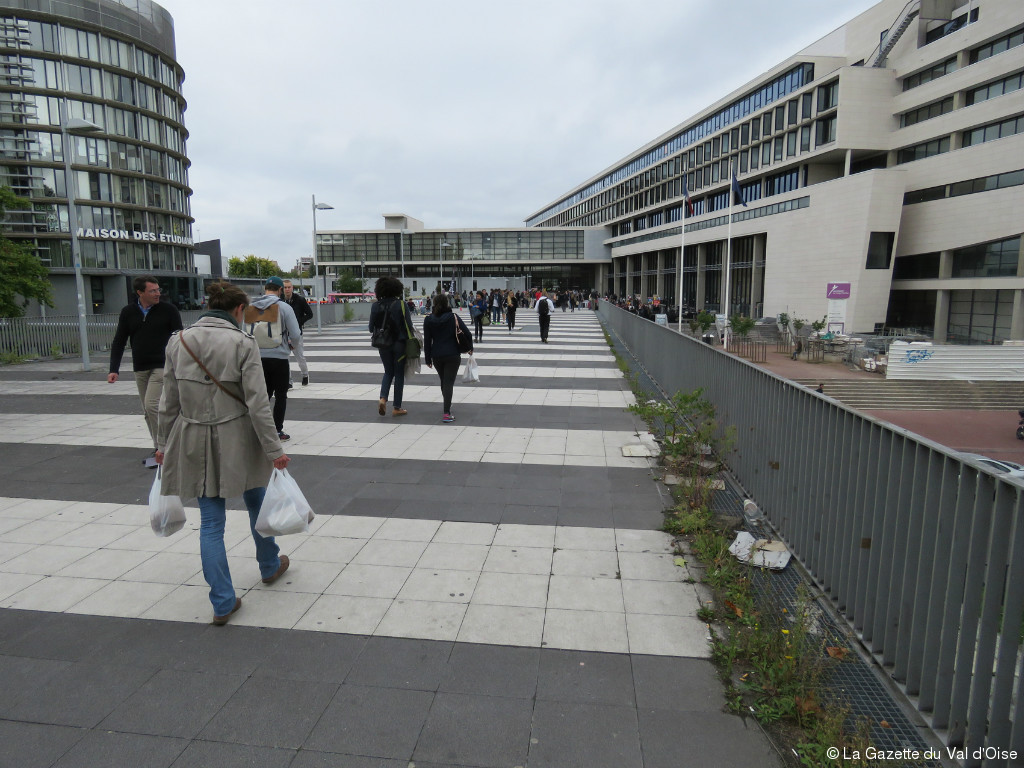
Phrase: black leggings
(275, 374)
(447, 369)
(478, 326)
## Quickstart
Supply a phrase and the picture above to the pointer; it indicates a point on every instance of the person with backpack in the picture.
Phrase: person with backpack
(389, 329)
(544, 309)
(303, 314)
(478, 310)
(272, 322)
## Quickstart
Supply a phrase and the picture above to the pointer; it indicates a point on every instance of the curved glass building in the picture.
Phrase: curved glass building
(106, 72)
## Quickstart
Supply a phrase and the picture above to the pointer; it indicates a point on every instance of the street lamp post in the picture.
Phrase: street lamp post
(440, 254)
(316, 263)
(82, 126)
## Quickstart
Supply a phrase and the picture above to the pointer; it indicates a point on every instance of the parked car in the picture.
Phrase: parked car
(999, 466)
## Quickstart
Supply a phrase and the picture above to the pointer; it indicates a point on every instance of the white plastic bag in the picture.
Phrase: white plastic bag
(472, 373)
(284, 509)
(166, 513)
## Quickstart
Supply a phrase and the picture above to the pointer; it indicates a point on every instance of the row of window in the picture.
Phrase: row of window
(982, 52)
(29, 146)
(1001, 129)
(462, 246)
(131, 190)
(120, 122)
(90, 81)
(999, 258)
(81, 44)
(977, 95)
(789, 82)
(968, 187)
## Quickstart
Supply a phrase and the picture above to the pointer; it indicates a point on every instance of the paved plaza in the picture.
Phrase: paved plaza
(485, 594)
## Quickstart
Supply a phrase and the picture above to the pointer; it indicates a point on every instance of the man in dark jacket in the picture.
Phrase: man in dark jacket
(148, 324)
(303, 314)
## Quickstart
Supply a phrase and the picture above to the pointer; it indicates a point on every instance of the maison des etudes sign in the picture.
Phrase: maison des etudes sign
(134, 235)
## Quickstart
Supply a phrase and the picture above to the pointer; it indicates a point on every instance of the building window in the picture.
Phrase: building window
(924, 195)
(781, 183)
(754, 152)
(755, 129)
(932, 73)
(921, 151)
(950, 27)
(825, 130)
(998, 88)
(980, 317)
(828, 96)
(920, 266)
(996, 259)
(1004, 43)
(806, 105)
(926, 112)
(791, 144)
(880, 250)
(993, 131)
(780, 118)
(777, 148)
(805, 138)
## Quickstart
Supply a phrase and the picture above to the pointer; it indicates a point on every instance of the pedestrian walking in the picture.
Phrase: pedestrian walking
(217, 438)
(303, 314)
(478, 311)
(273, 324)
(441, 351)
(387, 313)
(544, 309)
(510, 310)
(495, 301)
(148, 324)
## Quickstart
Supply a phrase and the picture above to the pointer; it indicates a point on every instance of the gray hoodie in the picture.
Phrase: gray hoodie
(292, 335)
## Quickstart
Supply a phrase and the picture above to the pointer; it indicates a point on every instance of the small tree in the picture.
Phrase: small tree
(347, 282)
(819, 325)
(252, 266)
(22, 274)
(741, 325)
(702, 322)
(798, 323)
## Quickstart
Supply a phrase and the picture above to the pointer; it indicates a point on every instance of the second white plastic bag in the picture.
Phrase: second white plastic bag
(472, 373)
(284, 509)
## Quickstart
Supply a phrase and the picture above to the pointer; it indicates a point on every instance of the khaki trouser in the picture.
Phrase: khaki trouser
(150, 384)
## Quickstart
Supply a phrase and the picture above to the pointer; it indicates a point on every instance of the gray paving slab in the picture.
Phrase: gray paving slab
(100, 690)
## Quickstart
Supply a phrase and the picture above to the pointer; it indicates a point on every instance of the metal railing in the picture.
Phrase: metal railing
(57, 335)
(921, 553)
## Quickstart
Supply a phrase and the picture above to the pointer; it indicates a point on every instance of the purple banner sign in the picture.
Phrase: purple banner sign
(838, 291)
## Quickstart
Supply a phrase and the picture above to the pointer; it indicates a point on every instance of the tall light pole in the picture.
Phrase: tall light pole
(80, 126)
(440, 253)
(316, 263)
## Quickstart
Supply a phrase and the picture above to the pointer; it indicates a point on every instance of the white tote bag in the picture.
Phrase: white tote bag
(166, 513)
(284, 509)
(472, 373)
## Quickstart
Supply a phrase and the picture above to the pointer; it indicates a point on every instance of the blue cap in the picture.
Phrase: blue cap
(277, 282)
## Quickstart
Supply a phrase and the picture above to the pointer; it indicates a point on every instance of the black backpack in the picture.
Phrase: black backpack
(544, 308)
(383, 337)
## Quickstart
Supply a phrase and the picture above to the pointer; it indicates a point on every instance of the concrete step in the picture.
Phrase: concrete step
(866, 394)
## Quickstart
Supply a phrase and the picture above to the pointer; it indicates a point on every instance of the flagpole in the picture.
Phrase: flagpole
(682, 253)
(728, 262)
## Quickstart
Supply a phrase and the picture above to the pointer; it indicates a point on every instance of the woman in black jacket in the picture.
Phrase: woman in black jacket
(441, 348)
(387, 312)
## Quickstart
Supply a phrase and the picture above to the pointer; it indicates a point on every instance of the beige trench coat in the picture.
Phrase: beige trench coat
(214, 445)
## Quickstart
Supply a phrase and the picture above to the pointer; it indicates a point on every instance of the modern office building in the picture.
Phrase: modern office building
(881, 171)
(104, 74)
(466, 259)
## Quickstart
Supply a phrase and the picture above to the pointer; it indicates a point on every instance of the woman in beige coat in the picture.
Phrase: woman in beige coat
(216, 436)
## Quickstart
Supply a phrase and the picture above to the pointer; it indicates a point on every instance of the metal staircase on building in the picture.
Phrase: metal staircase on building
(866, 394)
(910, 12)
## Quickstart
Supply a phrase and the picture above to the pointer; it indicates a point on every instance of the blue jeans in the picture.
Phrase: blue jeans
(394, 370)
(214, 556)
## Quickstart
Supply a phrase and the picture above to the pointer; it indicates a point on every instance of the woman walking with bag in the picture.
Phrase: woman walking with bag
(510, 310)
(216, 436)
(445, 337)
(389, 332)
(478, 311)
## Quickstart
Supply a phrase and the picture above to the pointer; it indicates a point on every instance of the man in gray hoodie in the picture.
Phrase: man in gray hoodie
(275, 359)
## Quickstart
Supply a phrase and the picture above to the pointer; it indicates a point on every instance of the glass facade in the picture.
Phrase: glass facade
(129, 177)
(497, 245)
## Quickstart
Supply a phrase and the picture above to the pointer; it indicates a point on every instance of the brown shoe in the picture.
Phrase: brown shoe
(398, 411)
(382, 406)
(280, 570)
(220, 621)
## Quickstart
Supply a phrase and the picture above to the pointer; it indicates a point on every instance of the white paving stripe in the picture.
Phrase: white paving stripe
(483, 350)
(590, 589)
(380, 439)
(536, 371)
(414, 393)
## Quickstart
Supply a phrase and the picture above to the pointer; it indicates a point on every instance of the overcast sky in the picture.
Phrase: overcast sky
(460, 114)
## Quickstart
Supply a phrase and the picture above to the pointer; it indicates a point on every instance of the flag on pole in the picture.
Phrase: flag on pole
(736, 190)
(686, 196)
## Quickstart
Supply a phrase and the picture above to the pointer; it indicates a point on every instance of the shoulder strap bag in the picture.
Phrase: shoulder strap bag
(225, 390)
(412, 343)
(462, 340)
